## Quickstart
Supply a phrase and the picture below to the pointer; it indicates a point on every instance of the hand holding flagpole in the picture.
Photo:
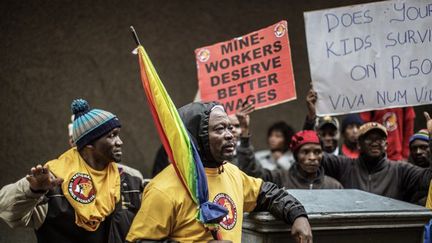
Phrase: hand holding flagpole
(179, 147)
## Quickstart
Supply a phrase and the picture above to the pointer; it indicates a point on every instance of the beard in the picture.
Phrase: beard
(116, 157)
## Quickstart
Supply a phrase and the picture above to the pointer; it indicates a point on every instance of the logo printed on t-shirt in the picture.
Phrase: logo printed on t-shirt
(390, 121)
(81, 188)
(229, 221)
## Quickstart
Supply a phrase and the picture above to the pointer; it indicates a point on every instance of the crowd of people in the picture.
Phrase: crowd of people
(87, 195)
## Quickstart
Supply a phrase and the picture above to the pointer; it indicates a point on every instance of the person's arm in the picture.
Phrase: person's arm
(336, 166)
(245, 151)
(279, 202)
(408, 130)
(429, 128)
(243, 115)
(286, 207)
(416, 179)
(267, 196)
(248, 164)
(311, 99)
(19, 201)
(19, 205)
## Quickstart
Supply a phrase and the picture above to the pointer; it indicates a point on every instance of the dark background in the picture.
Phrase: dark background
(54, 51)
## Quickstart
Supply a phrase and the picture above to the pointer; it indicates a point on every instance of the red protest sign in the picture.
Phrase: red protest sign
(254, 68)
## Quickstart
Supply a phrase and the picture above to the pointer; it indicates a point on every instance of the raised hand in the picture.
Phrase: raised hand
(41, 180)
(244, 118)
(428, 122)
(311, 99)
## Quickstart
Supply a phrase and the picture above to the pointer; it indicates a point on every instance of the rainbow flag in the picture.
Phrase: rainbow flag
(178, 145)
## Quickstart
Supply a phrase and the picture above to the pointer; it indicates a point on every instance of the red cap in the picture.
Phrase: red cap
(303, 137)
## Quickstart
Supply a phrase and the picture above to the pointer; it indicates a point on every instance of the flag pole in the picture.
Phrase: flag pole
(135, 36)
(214, 231)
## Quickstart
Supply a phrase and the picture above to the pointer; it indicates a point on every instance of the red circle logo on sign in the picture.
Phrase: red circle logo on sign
(203, 55)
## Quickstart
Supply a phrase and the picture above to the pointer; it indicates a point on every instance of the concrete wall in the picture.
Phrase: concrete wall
(54, 51)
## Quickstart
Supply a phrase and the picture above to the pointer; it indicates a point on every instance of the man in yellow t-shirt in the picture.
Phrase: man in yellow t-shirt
(83, 195)
(167, 211)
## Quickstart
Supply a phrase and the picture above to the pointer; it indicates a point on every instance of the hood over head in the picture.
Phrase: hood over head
(195, 117)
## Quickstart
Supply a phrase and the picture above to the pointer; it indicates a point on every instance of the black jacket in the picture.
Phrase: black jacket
(398, 180)
(290, 179)
(59, 224)
(294, 179)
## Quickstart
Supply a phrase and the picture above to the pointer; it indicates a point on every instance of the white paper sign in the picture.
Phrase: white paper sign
(371, 56)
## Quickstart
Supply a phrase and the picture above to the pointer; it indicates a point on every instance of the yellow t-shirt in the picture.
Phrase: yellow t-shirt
(429, 198)
(168, 212)
(93, 194)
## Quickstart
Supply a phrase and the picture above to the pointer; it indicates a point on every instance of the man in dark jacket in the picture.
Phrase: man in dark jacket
(327, 127)
(420, 155)
(373, 172)
(168, 211)
(306, 173)
(83, 196)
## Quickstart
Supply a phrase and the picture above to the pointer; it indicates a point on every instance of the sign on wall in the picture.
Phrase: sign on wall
(371, 56)
(254, 68)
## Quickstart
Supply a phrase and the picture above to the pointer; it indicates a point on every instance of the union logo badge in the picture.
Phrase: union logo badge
(81, 188)
(279, 30)
(203, 55)
(229, 221)
(390, 121)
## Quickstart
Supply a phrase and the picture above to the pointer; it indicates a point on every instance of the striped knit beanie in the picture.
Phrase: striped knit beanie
(423, 134)
(90, 125)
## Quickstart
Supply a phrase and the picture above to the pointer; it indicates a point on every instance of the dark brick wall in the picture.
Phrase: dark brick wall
(54, 51)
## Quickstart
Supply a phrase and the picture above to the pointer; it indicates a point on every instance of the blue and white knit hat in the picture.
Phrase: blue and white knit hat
(423, 134)
(90, 125)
